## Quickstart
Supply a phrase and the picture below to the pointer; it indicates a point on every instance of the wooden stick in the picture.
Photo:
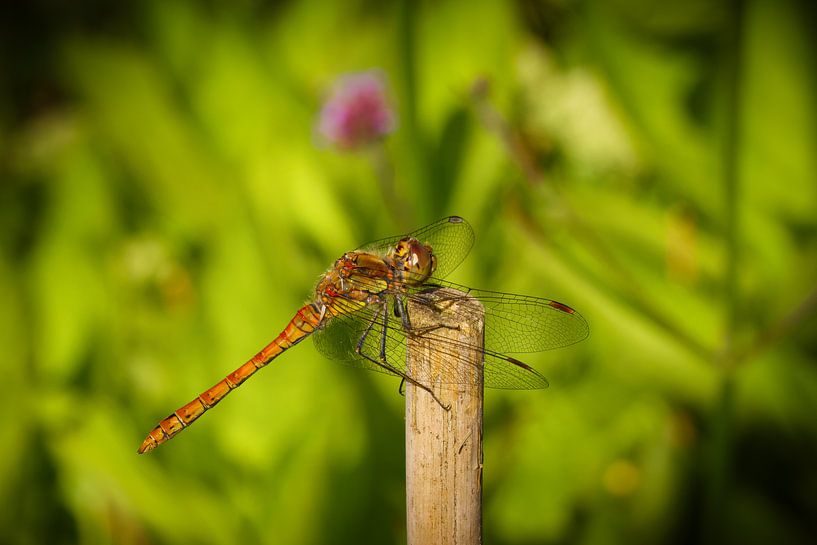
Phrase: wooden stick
(444, 447)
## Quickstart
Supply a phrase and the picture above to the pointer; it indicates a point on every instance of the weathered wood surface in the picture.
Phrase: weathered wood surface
(444, 447)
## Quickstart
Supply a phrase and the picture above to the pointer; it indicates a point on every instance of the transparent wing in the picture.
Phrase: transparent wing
(339, 338)
(381, 336)
(450, 239)
(522, 323)
(500, 370)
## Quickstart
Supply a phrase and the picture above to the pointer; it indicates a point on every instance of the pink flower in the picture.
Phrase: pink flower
(357, 112)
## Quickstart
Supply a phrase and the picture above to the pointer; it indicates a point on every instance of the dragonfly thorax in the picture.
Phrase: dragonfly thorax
(354, 278)
(413, 261)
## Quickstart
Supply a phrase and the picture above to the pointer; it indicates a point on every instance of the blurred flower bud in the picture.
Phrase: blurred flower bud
(357, 112)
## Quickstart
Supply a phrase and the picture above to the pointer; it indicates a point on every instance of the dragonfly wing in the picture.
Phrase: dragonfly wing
(513, 323)
(507, 373)
(368, 337)
(450, 239)
(339, 339)
(521, 323)
(499, 370)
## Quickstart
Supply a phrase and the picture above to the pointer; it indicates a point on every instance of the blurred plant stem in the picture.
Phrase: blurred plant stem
(779, 329)
(716, 517)
(399, 209)
(417, 165)
(517, 149)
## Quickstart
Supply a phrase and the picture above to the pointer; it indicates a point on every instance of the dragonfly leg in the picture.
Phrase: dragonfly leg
(420, 331)
(382, 360)
(400, 310)
(362, 339)
(385, 328)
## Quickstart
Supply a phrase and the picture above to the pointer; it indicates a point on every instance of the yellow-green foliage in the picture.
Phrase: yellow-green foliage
(166, 205)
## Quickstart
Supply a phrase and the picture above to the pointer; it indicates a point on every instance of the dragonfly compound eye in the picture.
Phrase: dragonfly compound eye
(415, 260)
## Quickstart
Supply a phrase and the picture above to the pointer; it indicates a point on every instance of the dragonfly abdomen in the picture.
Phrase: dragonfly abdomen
(305, 321)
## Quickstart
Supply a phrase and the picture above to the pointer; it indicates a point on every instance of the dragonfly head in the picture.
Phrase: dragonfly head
(415, 260)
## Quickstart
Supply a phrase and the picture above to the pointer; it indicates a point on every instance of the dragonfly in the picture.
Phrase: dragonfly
(359, 315)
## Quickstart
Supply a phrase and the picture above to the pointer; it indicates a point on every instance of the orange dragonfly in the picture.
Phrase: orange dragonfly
(359, 316)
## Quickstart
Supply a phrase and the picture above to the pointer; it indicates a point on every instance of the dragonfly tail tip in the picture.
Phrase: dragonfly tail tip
(147, 446)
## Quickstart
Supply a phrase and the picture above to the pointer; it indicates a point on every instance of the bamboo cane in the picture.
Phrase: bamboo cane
(444, 447)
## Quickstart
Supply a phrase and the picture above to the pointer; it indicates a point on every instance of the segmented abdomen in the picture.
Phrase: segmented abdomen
(305, 321)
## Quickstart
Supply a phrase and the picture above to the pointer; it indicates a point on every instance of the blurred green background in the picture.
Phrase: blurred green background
(165, 207)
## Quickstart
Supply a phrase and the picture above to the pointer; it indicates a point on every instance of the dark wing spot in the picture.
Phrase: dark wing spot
(560, 306)
(519, 363)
